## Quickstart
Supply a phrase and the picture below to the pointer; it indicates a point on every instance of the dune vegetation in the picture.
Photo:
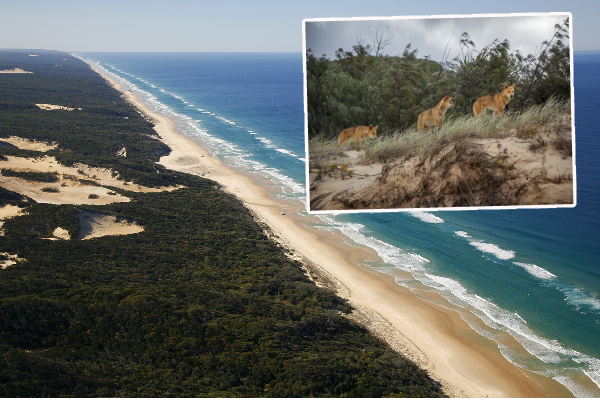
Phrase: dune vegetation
(366, 86)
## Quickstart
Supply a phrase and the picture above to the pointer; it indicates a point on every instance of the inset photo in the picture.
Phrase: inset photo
(457, 112)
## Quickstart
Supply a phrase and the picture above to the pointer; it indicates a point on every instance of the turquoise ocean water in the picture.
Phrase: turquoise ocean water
(529, 275)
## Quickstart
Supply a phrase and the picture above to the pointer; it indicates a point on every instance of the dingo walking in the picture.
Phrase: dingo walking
(495, 102)
(357, 133)
(435, 116)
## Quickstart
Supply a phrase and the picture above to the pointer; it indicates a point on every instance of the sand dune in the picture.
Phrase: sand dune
(15, 71)
(26, 144)
(9, 211)
(12, 259)
(55, 107)
(96, 224)
(61, 233)
(79, 184)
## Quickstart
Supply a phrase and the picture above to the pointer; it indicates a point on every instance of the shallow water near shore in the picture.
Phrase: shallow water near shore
(525, 275)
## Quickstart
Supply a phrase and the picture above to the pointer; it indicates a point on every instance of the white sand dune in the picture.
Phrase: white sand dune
(61, 233)
(9, 211)
(55, 107)
(73, 186)
(12, 259)
(96, 224)
(26, 144)
(15, 71)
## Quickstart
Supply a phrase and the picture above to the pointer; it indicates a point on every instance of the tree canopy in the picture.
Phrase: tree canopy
(364, 86)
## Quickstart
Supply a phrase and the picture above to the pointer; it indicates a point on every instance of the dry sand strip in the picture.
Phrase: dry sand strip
(55, 107)
(11, 259)
(453, 353)
(71, 187)
(26, 144)
(15, 71)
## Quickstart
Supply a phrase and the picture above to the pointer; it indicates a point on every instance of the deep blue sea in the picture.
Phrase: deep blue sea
(530, 275)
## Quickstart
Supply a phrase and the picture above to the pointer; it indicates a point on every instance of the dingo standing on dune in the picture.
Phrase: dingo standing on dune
(357, 133)
(435, 116)
(495, 102)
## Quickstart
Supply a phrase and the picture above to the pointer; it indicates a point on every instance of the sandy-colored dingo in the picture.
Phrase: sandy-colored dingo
(495, 102)
(357, 133)
(435, 116)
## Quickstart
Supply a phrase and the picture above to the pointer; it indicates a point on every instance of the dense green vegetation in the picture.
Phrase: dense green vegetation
(200, 303)
(47, 177)
(364, 86)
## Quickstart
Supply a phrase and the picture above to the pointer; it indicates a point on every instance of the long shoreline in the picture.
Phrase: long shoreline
(437, 339)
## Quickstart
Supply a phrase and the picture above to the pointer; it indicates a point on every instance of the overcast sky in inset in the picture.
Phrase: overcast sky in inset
(432, 36)
(241, 25)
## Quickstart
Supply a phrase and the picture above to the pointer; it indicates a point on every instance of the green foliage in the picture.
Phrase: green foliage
(360, 88)
(48, 177)
(547, 73)
(41, 220)
(201, 303)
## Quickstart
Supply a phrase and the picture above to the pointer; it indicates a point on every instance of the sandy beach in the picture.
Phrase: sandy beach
(436, 338)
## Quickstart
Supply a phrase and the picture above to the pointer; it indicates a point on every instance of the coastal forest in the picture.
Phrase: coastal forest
(199, 304)
(364, 85)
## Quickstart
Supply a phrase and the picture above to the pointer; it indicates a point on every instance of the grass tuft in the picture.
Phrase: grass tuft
(409, 143)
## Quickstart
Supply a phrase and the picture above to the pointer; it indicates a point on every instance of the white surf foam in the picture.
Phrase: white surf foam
(574, 387)
(284, 151)
(426, 217)
(493, 249)
(536, 271)
(580, 299)
(264, 140)
(594, 376)
(226, 120)
(389, 254)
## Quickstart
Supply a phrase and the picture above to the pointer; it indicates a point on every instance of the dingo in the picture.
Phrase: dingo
(357, 133)
(435, 116)
(495, 102)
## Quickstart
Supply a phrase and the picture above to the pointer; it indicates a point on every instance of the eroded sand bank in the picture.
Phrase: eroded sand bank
(437, 339)
(476, 172)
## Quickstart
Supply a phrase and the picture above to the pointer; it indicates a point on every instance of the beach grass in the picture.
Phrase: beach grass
(322, 150)
(547, 118)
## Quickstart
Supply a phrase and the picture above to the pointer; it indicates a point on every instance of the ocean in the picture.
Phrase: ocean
(530, 275)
